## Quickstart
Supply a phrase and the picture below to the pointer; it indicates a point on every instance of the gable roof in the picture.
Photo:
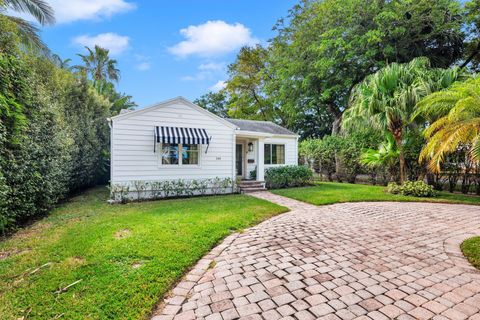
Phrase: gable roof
(260, 126)
(124, 115)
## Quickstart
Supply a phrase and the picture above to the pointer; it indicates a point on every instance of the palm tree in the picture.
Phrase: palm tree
(455, 117)
(118, 100)
(61, 63)
(386, 156)
(39, 9)
(387, 99)
(99, 66)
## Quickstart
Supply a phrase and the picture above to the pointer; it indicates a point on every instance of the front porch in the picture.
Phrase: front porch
(249, 158)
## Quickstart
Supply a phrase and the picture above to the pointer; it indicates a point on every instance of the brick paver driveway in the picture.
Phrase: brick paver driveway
(356, 260)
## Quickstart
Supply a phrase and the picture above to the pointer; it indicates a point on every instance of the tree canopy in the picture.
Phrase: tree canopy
(308, 70)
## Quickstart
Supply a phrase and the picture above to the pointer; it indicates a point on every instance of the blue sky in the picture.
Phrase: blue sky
(164, 48)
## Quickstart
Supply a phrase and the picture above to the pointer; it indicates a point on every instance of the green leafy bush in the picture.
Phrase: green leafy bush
(288, 176)
(319, 154)
(411, 188)
(330, 153)
(139, 190)
(54, 136)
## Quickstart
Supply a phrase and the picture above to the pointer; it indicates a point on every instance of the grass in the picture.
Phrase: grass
(471, 250)
(126, 256)
(330, 192)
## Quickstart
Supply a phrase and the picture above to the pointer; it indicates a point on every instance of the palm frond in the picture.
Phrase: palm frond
(28, 34)
(475, 150)
(39, 9)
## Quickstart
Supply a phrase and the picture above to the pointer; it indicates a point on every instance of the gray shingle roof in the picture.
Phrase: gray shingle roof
(260, 126)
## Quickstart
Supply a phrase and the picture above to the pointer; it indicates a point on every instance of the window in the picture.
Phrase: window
(274, 154)
(189, 154)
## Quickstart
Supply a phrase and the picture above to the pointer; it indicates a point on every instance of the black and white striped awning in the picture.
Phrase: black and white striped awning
(181, 135)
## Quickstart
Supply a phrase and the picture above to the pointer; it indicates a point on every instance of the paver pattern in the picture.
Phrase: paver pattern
(367, 260)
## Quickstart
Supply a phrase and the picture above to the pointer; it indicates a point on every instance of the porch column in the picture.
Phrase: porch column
(260, 160)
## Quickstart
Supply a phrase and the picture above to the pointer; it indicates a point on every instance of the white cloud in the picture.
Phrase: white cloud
(218, 86)
(73, 10)
(111, 41)
(213, 38)
(207, 70)
(212, 66)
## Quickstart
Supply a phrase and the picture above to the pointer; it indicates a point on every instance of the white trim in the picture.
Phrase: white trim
(110, 124)
(169, 102)
(234, 151)
(260, 160)
(243, 133)
(271, 154)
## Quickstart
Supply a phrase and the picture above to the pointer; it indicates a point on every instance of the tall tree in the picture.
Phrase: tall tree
(245, 86)
(387, 99)
(455, 117)
(253, 93)
(472, 50)
(215, 102)
(119, 101)
(39, 9)
(318, 57)
(98, 65)
(61, 63)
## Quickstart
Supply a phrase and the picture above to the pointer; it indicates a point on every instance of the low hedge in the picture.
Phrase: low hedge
(411, 188)
(288, 176)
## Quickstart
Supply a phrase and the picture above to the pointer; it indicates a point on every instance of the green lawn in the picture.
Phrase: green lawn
(471, 250)
(330, 192)
(126, 256)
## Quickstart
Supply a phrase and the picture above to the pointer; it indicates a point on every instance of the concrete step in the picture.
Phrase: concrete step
(250, 182)
(248, 190)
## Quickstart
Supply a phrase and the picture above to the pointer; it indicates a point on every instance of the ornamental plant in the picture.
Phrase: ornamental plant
(288, 176)
(411, 188)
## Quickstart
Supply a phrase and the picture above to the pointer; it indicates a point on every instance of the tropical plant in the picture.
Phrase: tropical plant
(455, 117)
(39, 9)
(61, 63)
(317, 58)
(98, 65)
(411, 188)
(119, 100)
(387, 99)
(385, 156)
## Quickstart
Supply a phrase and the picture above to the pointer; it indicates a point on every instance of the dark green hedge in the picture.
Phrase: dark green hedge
(53, 135)
(288, 176)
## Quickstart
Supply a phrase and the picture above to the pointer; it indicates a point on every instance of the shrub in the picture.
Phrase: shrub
(319, 154)
(411, 188)
(139, 190)
(52, 134)
(394, 188)
(288, 176)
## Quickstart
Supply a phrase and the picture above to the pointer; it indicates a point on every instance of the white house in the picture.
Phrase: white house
(178, 140)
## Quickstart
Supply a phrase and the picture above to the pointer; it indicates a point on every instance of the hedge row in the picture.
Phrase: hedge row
(53, 134)
(288, 176)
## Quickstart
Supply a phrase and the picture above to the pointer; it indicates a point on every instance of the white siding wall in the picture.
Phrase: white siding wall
(132, 146)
